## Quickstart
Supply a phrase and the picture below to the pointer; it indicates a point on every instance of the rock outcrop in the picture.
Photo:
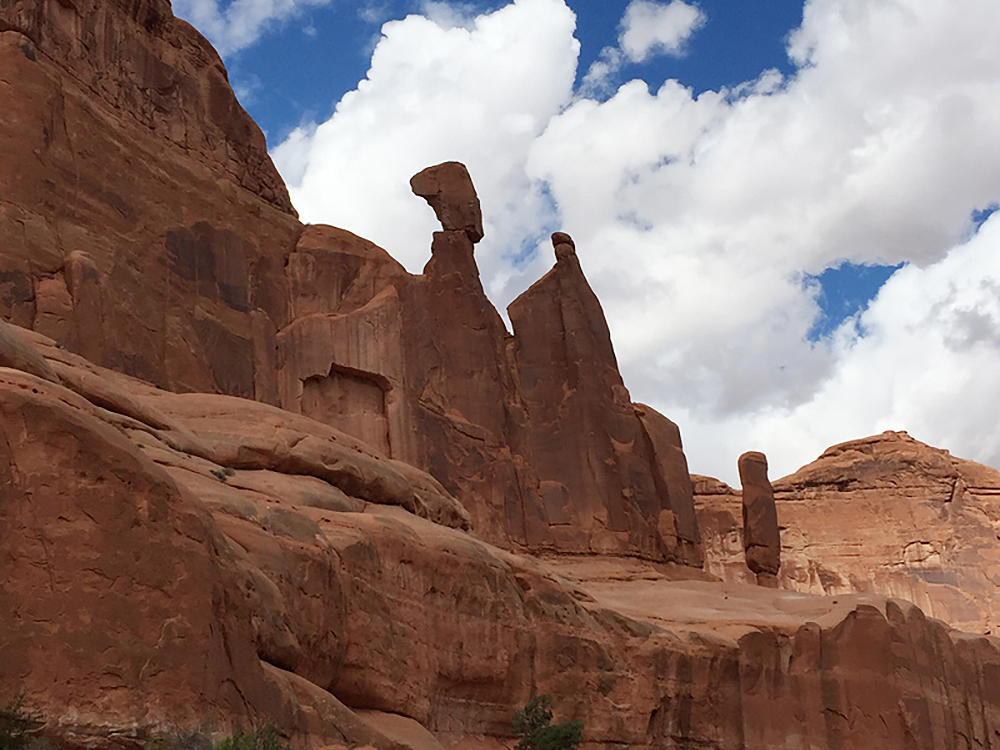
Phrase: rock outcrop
(534, 432)
(885, 514)
(145, 228)
(761, 537)
(310, 509)
(162, 569)
(143, 224)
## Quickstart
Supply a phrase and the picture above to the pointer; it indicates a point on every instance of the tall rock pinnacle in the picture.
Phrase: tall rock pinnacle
(761, 537)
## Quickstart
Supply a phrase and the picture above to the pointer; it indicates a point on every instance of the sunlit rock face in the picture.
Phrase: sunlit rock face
(884, 514)
(253, 471)
(534, 431)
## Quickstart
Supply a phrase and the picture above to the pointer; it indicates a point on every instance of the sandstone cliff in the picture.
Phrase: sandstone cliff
(164, 565)
(143, 224)
(146, 228)
(251, 470)
(885, 514)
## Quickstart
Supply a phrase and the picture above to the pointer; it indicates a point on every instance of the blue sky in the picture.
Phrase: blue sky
(301, 66)
(784, 206)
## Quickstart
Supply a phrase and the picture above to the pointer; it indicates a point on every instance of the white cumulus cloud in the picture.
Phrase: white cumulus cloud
(437, 91)
(647, 28)
(698, 218)
(236, 25)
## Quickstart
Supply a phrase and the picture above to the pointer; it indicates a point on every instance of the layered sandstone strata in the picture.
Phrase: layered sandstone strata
(144, 226)
(885, 514)
(162, 568)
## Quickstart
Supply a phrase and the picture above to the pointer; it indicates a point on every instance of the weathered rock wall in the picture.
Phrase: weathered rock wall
(142, 222)
(885, 514)
(147, 589)
(144, 226)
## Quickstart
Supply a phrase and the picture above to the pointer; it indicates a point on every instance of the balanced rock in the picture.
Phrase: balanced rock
(761, 537)
(448, 189)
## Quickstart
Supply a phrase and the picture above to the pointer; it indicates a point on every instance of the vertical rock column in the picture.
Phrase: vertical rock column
(457, 374)
(761, 538)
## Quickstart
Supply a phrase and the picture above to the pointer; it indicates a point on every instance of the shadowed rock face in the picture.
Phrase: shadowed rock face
(761, 538)
(143, 223)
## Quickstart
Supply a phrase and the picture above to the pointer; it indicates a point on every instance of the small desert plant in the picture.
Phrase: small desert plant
(222, 474)
(17, 725)
(533, 724)
(190, 739)
(261, 738)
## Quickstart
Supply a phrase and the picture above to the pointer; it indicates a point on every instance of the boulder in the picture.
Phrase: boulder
(448, 189)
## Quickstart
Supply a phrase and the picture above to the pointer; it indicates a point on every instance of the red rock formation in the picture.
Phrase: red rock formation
(761, 538)
(534, 433)
(885, 514)
(146, 590)
(174, 557)
(143, 223)
(602, 487)
(148, 230)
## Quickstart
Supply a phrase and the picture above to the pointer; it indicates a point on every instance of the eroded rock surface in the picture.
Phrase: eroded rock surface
(761, 538)
(171, 557)
(143, 224)
(885, 514)
(146, 588)
(534, 432)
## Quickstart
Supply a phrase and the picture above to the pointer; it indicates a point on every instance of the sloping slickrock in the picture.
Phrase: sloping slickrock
(111, 578)
(885, 514)
(131, 609)
(18, 355)
(143, 224)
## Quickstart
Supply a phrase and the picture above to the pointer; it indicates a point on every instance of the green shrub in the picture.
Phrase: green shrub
(190, 739)
(533, 724)
(222, 474)
(262, 738)
(16, 725)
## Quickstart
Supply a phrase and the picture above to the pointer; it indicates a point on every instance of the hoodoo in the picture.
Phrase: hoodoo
(761, 536)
